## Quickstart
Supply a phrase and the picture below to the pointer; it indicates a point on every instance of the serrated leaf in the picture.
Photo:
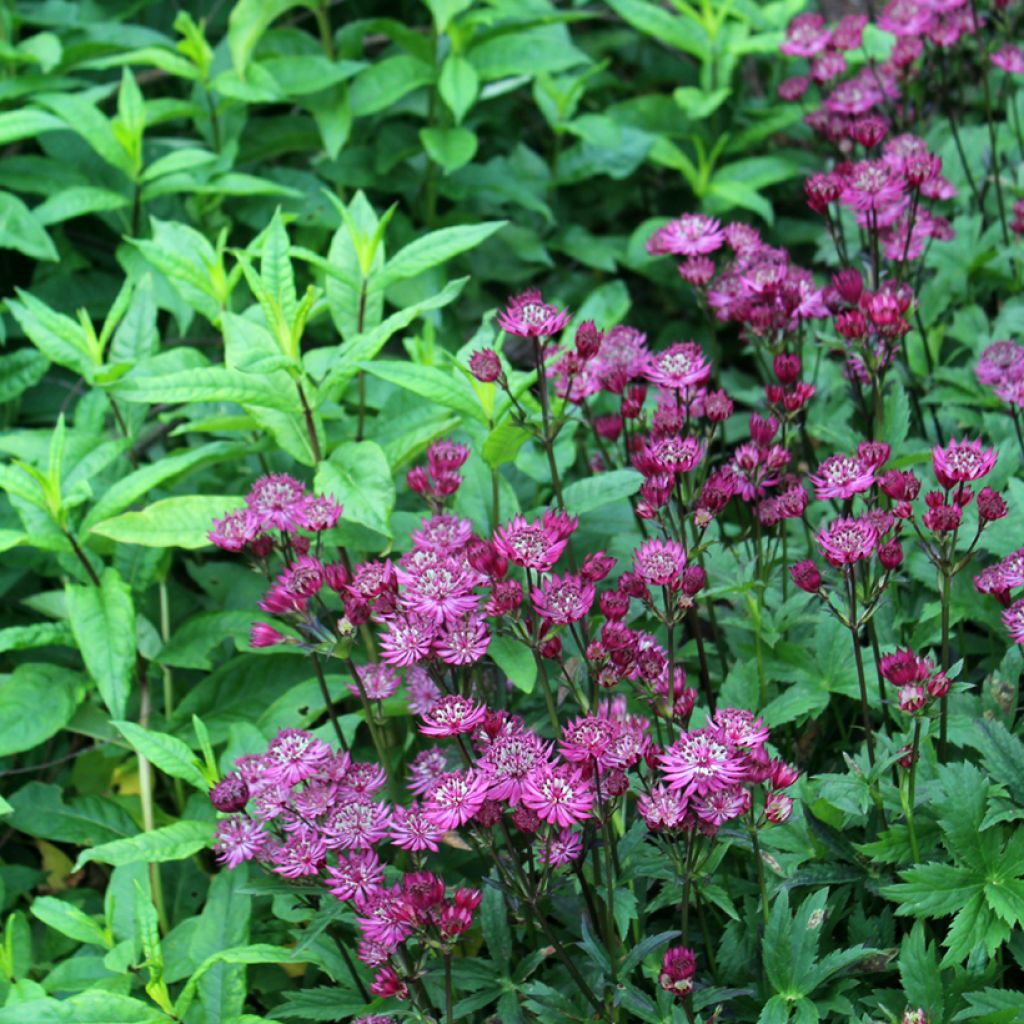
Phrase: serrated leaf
(172, 842)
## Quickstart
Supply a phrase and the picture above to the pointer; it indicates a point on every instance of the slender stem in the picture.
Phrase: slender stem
(323, 24)
(168, 680)
(705, 674)
(859, 658)
(307, 413)
(570, 964)
(944, 702)
(81, 557)
(495, 500)
(993, 143)
(146, 799)
(448, 1014)
(761, 884)
(328, 703)
(908, 806)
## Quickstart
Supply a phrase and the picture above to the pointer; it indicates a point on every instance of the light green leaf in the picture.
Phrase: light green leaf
(386, 81)
(36, 701)
(77, 201)
(248, 21)
(172, 756)
(20, 370)
(458, 85)
(593, 493)
(69, 920)
(173, 842)
(516, 660)
(208, 384)
(451, 148)
(94, 1007)
(61, 339)
(103, 621)
(503, 443)
(358, 475)
(443, 388)
(182, 522)
(435, 248)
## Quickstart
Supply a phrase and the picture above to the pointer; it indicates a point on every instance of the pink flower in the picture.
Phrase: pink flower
(962, 461)
(678, 966)
(359, 875)
(456, 798)
(528, 316)
(508, 759)
(662, 807)
(904, 18)
(464, 641)
(721, 805)
(356, 824)
(411, 829)
(1013, 620)
(263, 634)
(564, 600)
(235, 530)
(410, 639)
(379, 681)
(739, 728)
(239, 839)
(806, 36)
(873, 187)
(442, 590)
(659, 562)
(302, 853)
(563, 848)
(317, 514)
(361, 780)
(699, 763)
(692, 234)
(452, 715)
(277, 502)
(443, 533)
(558, 794)
(1000, 361)
(682, 365)
(386, 916)
(423, 691)
(531, 545)
(589, 738)
(841, 476)
(295, 755)
(1010, 58)
(845, 541)
(426, 768)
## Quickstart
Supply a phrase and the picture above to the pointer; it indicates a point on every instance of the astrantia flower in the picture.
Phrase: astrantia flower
(235, 530)
(239, 839)
(1013, 620)
(691, 235)
(451, 716)
(455, 798)
(412, 829)
(425, 769)
(722, 805)
(302, 853)
(508, 759)
(442, 590)
(738, 727)
(423, 691)
(379, 681)
(699, 763)
(386, 916)
(841, 476)
(674, 454)
(319, 513)
(678, 967)
(558, 794)
(562, 848)
(563, 600)
(682, 365)
(464, 641)
(530, 545)
(362, 780)
(528, 316)
(263, 634)
(961, 461)
(277, 502)
(873, 187)
(356, 824)
(659, 562)
(294, 755)
(992, 580)
(1010, 58)
(662, 807)
(589, 738)
(1000, 361)
(806, 35)
(444, 534)
(409, 639)
(845, 541)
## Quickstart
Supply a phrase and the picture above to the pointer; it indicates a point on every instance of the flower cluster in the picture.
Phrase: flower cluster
(1001, 368)
(916, 678)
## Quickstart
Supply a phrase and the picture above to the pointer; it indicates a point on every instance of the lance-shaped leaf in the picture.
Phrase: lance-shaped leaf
(173, 842)
(358, 475)
(172, 756)
(103, 621)
(182, 522)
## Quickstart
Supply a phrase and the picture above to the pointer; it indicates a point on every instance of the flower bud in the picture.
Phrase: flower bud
(778, 807)
(890, 555)
(588, 340)
(485, 366)
(678, 967)
(231, 794)
(806, 576)
(990, 505)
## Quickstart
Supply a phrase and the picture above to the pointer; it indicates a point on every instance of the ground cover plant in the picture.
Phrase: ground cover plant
(509, 512)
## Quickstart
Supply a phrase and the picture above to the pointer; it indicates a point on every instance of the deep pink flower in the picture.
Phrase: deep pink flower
(845, 541)
(738, 727)
(425, 769)
(239, 839)
(412, 829)
(1000, 361)
(962, 461)
(589, 738)
(387, 984)
(904, 18)
(678, 966)
(721, 805)
(386, 916)
(444, 534)
(841, 476)
(277, 502)
(662, 807)
(562, 848)
(558, 794)
(530, 545)
(563, 600)
(1013, 620)
(410, 639)
(659, 562)
(423, 692)
(508, 759)
(1010, 58)
(452, 715)
(235, 530)
(301, 854)
(699, 763)
(442, 590)
(294, 755)
(848, 33)
(455, 798)
(318, 513)
(806, 35)
(1012, 568)
(692, 234)
(778, 807)
(463, 641)
(528, 316)
(356, 824)
(485, 365)
(873, 187)
(263, 634)
(682, 365)
(379, 681)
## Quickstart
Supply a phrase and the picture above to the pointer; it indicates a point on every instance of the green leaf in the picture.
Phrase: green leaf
(182, 522)
(386, 81)
(932, 890)
(503, 443)
(516, 660)
(61, 339)
(896, 418)
(669, 29)
(920, 974)
(103, 621)
(1003, 754)
(20, 370)
(438, 386)
(248, 21)
(78, 201)
(435, 248)
(69, 920)
(172, 842)
(494, 924)
(459, 85)
(172, 756)
(450, 148)
(358, 475)
(36, 701)
(593, 493)
(207, 384)
(223, 924)
(323, 1003)
(40, 811)
(644, 948)
(21, 230)
(95, 1007)
(26, 123)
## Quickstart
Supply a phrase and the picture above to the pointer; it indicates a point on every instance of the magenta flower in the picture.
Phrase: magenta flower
(1001, 361)
(722, 805)
(452, 715)
(1013, 620)
(845, 541)
(239, 839)
(698, 763)
(659, 562)
(562, 848)
(508, 759)
(302, 853)
(528, 316)
(443, 533)
(1010, 58)
(674, 454)
(277, 502)
(386, 916)
(678, 966)
(806, 36)
(295, 755)
(738, 727)
(356, 824)
(319, 513)
(379, 681)
(442, 590)
(962, 461)
(557, 794)
(841, 476)
(682, 365)
(564, 600)
(873, 187)
(425, 769)
(304, 577)
(361, 780)
(422, 690)
(692, 234)
(235, 530)
(263, 634)
(464, 641)
(412, 829)
(662, 807)
(530, 545)
(456, 798)
(359, 874)
(409, 639)
(589, 738)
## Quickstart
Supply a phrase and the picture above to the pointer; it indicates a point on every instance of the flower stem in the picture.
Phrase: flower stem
(944, 702)
(859, 658)
(761, 884)
(908, 805)
(328, 703)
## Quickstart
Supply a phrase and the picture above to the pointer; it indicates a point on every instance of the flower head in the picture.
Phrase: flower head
(563, 600)
(841, 476)
(682, 365)
(528, 316)
(1013, 620)
(961, 461)
(239, 839)
(277, 502)
(235, 530)
(452, 715)
(692, 234)
(845, 541)
(531, 545)
(659, 563)
(562, 848)
(698, 763)
(295, 755)
(558, 794)
(412, 829)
